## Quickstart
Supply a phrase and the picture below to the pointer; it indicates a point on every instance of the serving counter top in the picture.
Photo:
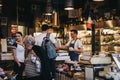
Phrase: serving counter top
(7, 56)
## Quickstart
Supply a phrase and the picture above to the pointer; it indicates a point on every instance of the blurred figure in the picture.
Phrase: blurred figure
(19, 56)
(3, 75)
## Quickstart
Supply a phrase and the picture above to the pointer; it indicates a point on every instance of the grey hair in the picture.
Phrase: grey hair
(28, 39)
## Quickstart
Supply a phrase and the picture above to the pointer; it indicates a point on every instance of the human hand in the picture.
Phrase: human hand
(19, 64)
(71, 49)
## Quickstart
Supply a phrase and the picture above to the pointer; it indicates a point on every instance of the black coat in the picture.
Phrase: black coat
(45, 69)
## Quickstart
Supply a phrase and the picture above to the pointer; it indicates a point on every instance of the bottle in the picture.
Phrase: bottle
(38, 65)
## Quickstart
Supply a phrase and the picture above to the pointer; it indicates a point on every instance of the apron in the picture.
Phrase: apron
(73, 55)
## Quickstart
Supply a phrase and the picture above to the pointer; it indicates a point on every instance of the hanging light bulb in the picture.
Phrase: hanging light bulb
(1, 6)
(98, 0)
(1, 3)
(48, 10)
(69, 5)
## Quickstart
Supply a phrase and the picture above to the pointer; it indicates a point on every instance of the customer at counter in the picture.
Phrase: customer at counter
(48, 72)
(74, 46)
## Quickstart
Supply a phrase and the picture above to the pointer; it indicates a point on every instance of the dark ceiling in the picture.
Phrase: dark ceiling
(59, 4)
(26, 14)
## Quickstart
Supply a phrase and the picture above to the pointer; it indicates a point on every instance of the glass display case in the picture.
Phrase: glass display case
(107, 40)
(97, 72)
(110, 40)
(85, 37)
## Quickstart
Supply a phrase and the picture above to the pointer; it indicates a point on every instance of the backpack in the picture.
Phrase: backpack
(49, 47)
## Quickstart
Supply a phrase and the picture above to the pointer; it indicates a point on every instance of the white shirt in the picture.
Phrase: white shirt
(20, 53)
(78, 44)
(39, 39)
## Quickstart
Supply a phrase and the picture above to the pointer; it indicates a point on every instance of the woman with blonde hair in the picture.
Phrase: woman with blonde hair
(32, 70)
(39, 52)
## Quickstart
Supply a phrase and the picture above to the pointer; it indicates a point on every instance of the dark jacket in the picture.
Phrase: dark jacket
(45, 69)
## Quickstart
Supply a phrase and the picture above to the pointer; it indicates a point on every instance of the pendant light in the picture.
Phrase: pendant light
(1, 6)
(48, 10)
(98, 0)
(1, 3)
(69, 5)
